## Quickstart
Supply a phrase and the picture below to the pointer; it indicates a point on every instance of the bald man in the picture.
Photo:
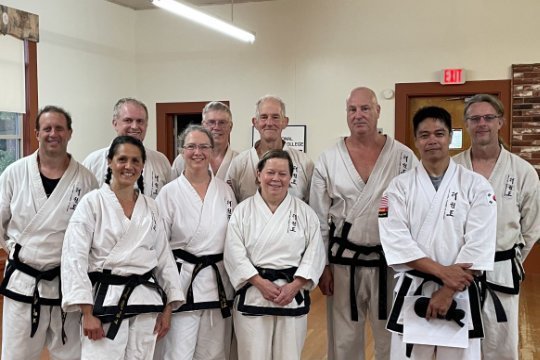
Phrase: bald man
(346, 187)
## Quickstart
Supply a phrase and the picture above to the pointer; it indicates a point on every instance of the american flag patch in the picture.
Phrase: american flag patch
(383, 207)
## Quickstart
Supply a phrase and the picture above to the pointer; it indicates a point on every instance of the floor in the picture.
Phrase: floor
(315, 346)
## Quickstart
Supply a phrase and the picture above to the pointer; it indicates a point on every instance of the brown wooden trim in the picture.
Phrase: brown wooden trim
(165, 113)
(20, 24)
(30, 143)
(406, 91)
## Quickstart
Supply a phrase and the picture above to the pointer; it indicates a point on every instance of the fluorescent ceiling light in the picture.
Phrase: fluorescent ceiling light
(205, 19)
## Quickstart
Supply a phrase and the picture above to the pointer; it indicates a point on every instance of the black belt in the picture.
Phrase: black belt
(474, 301)
(273, 275)
(200, 263)
(35, 300)
(518, 274)
(345, 244)
(104, 279)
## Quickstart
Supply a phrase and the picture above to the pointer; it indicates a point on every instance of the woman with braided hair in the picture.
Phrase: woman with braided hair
(117, 264)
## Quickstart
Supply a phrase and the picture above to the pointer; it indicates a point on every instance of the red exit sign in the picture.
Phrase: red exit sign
(452, 76)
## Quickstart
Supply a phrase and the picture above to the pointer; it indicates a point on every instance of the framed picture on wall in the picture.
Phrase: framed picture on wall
(293, 135)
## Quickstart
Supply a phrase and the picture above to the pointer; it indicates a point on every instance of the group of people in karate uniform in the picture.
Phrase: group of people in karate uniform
(214, 258)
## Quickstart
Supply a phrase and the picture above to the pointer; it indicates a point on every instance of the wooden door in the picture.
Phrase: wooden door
(167, 115)
(454, 105)
(409, 94)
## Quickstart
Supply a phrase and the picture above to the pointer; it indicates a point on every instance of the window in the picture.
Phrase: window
(10, 138)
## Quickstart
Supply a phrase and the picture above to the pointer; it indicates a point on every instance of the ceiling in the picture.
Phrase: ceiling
(147, 4)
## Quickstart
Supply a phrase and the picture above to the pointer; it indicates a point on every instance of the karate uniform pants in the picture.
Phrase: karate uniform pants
(429, 352)
(17, 343)
(346, 337)
(269, 337)
(501, 339)
(135, 340)
(198, 335)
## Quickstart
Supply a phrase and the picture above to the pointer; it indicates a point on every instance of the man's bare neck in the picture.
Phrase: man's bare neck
(488, 152)
(53, 167)
(262, 147)
(436, 168)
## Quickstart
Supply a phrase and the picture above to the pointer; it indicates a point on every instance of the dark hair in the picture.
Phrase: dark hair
(54, 109)
(275, 154)
(433, 112)
(121, 140)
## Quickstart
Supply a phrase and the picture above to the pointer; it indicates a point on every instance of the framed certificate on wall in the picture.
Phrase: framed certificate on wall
(293, 135)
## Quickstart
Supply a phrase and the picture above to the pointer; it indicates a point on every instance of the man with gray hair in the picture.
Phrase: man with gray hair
(269, 120)
(217, 118)
(130, 117)
(516, 186)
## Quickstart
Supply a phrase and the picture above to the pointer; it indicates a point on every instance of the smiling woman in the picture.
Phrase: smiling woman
(115, 242)
(274, 256)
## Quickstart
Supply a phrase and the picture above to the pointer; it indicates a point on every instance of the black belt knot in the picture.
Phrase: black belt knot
(130, 282)
(453, 313)
(200, 263)
(345, 244)
(273, 275)
(35, 304)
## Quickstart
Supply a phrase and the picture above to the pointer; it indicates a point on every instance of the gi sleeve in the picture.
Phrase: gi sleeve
(480, 227)
(235, 256)
(320, 201)
(76, 285)
(529, 208)
(6, 194)
(314, 258)
(166, 271)
(395, 228)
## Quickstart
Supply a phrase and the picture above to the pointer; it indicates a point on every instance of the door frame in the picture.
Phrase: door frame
(165, 115)
(405, 91)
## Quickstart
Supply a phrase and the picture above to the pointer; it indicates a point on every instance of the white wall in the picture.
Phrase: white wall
(309, 52)
(85, 62)
(312, 52)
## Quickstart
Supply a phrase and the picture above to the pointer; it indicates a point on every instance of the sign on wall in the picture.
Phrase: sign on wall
(293, 135)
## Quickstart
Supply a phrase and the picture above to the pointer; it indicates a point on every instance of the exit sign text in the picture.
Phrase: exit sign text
(452, 76)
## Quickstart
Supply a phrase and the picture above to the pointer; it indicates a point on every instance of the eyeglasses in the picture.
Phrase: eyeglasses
(218, 123)
(202, 147)
(487, 118)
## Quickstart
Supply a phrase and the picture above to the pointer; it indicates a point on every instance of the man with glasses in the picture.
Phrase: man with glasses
(269, 120)
(130, 117)
(217, 118)
(516, 186)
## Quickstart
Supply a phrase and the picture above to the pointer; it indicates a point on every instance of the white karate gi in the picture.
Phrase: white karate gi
(178, 164)
(198, 329)
(100, 238)
(156, 172)
(242, 174)
(37, 224)
(339, 194)
(288, 238)
(516, 186)
(454, 224)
